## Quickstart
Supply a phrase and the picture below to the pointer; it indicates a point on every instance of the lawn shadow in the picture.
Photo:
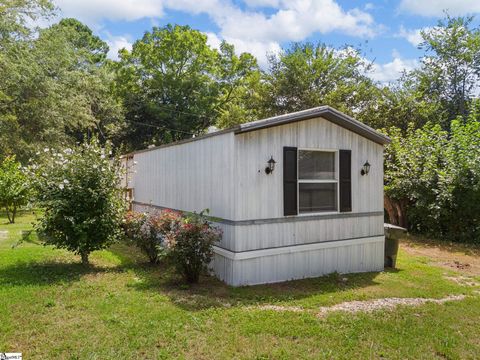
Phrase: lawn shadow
(28, 236)
(48, 273)
(211, 292)
(162, 278)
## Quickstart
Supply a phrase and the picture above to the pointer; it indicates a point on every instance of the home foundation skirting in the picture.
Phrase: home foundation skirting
(298, 262)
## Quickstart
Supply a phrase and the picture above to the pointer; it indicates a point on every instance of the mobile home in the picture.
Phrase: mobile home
(297, 195)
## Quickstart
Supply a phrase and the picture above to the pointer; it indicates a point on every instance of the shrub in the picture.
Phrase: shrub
(14, 187)
(146, 231)
(80, 192)
(432, 179)
(186, 240)
(189, 242)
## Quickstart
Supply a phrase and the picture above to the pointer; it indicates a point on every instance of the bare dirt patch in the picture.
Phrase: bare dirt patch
(459, 258)
(463, 280)
(385, 303)
(364, 306)
(281, 308)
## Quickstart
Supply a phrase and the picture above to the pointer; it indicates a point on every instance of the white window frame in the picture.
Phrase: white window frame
(325, 181)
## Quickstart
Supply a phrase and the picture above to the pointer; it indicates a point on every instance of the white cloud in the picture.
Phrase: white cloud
(93, 11)
(295, 20)
(392, 70)
(413, 36)
(436, 7)
(213, 40)
(262, 3)
(249, 30)
(259, 49)
(117, 43)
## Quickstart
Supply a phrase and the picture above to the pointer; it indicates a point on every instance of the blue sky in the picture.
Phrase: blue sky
(387, 31)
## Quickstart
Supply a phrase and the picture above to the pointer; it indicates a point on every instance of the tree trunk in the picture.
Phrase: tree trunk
(14, 213)
(8, 215)
(84, 256)
(397, 211)
(391, 211)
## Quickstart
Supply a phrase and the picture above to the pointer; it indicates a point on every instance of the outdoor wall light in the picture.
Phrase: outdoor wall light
(271, 165)
(365, 169)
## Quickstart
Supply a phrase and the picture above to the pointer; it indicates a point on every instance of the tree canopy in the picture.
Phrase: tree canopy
(175, 86)
(57, 85)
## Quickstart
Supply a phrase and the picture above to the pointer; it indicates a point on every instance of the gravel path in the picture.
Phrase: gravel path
(364, 306)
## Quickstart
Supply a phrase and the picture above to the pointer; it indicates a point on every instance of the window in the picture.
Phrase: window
(317, 181)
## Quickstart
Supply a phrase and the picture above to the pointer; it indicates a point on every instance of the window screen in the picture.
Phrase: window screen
(317, 181)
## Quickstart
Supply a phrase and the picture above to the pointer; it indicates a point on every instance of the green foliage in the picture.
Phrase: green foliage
(174, 85)
(433, 178)
(307, 75)
(450, 70)
(55, 86)
(79, 189)
(400, 106)
(82, 38)
(14, 15)
(14, 187)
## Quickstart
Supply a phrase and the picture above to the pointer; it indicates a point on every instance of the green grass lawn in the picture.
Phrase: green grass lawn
(121, 307)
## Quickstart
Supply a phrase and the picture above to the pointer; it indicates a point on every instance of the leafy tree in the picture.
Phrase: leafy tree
(175, 86)
(432, 179)
(80, 192)
(14, 187)
(93, 49)
(411, 165)
(240, 82)
(56, 87)
(14, 15)
(450, 71)
(398, 105)
(307, 75)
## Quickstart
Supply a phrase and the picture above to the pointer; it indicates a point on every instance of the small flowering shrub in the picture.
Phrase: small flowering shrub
(79, 190)
(146, 231)
(189, 243)
(186, 240)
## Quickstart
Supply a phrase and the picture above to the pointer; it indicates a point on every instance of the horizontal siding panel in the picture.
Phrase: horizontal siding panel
(253, 237)
(363, 256)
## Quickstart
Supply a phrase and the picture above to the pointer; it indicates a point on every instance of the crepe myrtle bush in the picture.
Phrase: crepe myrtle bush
(188, 241)
(79, 190)
(145, 231)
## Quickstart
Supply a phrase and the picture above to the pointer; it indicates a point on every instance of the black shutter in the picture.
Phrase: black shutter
(345, 180)
(290, 181)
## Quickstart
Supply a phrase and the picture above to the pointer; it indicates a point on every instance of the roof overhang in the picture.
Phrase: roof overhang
(325, 112)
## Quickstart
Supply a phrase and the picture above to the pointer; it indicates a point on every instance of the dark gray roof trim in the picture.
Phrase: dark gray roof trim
(326, 112)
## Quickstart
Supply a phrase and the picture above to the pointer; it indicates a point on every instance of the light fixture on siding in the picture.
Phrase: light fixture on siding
(365, 169)
(271, 165)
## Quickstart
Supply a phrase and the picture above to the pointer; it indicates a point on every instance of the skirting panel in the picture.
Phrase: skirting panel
(298, 262)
